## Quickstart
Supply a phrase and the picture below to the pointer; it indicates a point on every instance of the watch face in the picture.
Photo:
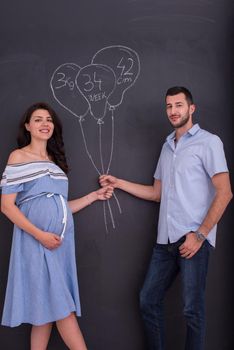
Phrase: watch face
(200, 236)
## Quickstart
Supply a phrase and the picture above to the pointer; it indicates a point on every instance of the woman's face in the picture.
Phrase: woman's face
(40, 125)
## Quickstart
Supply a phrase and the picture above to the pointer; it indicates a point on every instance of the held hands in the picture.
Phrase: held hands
(190, 246)
(108, 183)
(105, 193)
(108, 180)
(50, 240)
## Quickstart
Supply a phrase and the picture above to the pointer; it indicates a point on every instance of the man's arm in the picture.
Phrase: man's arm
(151, 193)
(222, 197)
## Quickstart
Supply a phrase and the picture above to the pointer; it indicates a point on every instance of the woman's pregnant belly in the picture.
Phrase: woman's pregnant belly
(46, 212)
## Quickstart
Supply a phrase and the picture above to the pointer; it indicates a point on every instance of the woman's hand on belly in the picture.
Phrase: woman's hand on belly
(49, 240)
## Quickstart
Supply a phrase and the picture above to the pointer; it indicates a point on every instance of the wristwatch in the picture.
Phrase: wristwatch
(200, 236)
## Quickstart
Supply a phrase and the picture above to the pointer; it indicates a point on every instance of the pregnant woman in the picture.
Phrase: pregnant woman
(42, 281)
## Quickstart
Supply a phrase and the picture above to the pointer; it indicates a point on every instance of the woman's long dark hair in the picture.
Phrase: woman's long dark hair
(55, 145)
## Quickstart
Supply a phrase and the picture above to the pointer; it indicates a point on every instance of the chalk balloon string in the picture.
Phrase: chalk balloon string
(81, 120)
(97, 88)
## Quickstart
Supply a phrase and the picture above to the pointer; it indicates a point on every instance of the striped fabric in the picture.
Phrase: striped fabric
(23, 172)
(42, 284)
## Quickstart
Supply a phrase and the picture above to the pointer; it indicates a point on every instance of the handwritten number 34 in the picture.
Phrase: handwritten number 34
(90, 83)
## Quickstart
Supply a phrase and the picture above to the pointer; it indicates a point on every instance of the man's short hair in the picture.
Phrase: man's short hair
(175, 90)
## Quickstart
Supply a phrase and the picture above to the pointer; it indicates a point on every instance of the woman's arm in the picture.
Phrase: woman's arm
(102, 194)
(9, 208)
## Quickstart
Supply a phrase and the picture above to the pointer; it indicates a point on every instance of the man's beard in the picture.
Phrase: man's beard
(182, 122)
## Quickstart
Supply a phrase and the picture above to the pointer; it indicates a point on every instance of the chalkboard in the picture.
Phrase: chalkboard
(58, 52)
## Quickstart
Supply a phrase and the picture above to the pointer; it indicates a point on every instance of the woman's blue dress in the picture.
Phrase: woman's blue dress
(42, 284)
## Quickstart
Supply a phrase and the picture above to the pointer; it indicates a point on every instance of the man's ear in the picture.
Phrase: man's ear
(192, 108)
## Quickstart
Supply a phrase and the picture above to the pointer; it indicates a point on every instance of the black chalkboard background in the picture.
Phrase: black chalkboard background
(178, 42)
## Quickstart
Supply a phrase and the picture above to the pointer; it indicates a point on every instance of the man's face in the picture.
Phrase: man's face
(179, 112)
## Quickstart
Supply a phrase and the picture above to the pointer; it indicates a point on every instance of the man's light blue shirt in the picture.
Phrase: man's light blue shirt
(185, 171)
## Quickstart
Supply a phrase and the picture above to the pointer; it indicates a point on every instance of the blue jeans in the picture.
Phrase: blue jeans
(165, 264)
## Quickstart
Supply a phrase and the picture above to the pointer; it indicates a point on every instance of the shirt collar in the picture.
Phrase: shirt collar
(192, 131)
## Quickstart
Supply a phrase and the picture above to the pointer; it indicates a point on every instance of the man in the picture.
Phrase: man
(192, 183)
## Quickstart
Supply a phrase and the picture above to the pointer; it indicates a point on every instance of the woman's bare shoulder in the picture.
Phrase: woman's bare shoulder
(17, 156)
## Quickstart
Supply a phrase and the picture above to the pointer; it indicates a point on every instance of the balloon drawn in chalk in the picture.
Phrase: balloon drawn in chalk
(125, 63)
(96, 82)
(97, 90)
(65, 92)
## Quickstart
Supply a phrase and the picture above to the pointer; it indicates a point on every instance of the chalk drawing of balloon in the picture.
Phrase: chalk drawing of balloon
(96, 82)
(65, 92)
(97, 90)
(126, 65)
